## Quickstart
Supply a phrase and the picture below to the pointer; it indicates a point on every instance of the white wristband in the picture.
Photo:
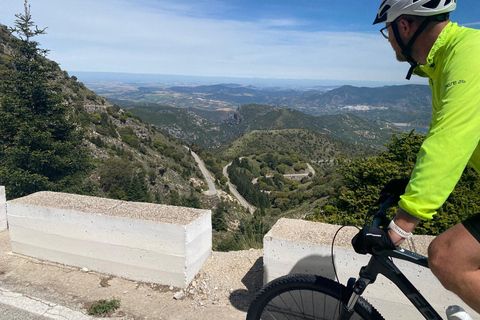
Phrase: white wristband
(402, 233)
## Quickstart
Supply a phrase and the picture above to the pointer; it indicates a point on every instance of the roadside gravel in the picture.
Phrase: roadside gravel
(222, 290)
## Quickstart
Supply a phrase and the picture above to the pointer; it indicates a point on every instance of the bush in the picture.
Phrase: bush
(103, 307)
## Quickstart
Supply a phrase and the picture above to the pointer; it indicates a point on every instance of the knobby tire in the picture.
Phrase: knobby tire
(311, 297)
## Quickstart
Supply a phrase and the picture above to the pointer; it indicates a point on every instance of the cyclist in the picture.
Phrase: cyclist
(421, 33)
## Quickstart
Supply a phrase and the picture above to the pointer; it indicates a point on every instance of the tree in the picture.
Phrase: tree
(191, 201)
(363, 178)
(41, 146)
(218, 217)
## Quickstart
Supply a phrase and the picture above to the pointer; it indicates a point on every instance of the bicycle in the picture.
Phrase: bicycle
(301, 296)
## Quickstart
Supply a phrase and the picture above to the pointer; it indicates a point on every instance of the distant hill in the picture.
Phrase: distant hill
(405, 104)
(345, 127)
(192, 126)
(396, 104)
(207, 97)
(315, 147)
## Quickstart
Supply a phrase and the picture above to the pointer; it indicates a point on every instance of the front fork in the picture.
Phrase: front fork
(355, 289)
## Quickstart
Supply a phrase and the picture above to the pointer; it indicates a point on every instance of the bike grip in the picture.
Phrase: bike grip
(377, 221)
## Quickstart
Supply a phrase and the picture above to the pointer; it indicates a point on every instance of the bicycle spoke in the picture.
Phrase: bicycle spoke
(305, 297)
(296, 305)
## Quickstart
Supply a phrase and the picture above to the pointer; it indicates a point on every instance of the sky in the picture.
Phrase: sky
(279, 39)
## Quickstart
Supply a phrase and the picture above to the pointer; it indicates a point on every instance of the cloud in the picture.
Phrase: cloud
(174, 38)
(470, 24)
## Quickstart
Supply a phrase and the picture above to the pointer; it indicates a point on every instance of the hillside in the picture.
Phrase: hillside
(395, 104)
(405, 104)
(315, 147)
(192, 126)
(343, 127)
(128, 158)
(189, 126)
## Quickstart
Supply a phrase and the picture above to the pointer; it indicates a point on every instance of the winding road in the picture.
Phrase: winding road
(293, 176)
(237, 195)
(212, 191)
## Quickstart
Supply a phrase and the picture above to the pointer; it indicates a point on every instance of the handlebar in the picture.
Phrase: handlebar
(382, 211)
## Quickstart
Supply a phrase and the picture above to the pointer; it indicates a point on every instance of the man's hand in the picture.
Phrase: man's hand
(371, 237)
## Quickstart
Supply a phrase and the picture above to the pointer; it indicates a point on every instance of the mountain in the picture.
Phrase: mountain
(184, 124)
(207, 97)
(405, 104)
(396, 104)
(192, 126)
(344, 127)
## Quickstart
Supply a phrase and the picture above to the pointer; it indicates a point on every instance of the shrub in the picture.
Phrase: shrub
(103, 307)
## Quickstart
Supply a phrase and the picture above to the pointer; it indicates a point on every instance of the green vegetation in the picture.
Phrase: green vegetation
(41, 143)
(211, 130)
(218, 218)
(241, 176)
(58, 135)
(248, 235)
(103, 307)
(316, 147)
(363, 178)
(119, 180)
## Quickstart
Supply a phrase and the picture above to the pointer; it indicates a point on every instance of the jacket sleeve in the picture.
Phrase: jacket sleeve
(453, 137)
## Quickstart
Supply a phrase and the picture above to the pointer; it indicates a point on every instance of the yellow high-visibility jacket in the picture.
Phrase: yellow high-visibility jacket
(453, 69)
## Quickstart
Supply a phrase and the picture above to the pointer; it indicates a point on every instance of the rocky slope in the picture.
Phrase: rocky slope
(121, 146)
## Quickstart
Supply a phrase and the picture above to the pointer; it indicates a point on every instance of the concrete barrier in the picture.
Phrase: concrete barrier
(298, 246)
(3, 209)
(139, 241)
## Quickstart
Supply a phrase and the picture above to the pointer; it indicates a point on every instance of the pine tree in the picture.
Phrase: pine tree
(218, 217)
(41, 147)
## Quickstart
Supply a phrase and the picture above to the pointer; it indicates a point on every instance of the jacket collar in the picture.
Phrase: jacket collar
(428, 69)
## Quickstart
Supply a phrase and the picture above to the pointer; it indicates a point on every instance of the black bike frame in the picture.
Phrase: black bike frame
(381, 263)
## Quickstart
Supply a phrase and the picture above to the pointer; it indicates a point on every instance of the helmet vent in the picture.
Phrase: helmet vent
(448, 2)
(384, 11)
(432, 4)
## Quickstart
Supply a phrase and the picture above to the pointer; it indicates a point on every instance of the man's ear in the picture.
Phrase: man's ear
(404, 26)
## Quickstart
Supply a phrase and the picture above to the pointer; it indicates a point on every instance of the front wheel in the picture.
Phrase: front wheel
(305, 297)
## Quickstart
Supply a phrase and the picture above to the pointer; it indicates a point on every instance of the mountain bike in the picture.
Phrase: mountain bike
(302, 296)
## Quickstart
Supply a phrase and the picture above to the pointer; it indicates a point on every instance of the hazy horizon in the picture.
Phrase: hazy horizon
(172, 79)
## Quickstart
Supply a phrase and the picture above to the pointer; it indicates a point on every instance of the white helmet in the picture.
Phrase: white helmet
(392, 9)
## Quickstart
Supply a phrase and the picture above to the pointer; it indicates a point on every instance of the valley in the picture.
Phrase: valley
(405, 103)
(283, 150)
(251, 139)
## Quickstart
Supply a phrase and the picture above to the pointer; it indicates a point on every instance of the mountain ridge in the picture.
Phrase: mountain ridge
(191, 127)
